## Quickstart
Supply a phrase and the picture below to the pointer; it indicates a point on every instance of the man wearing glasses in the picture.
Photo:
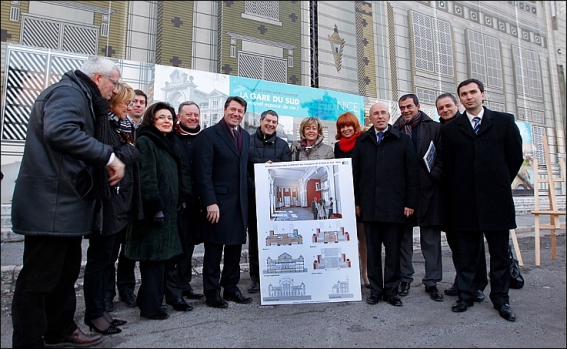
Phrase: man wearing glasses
(65, 160)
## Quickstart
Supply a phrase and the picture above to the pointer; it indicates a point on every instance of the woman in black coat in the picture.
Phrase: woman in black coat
(348, 130)
(121, 204)
(166, 185)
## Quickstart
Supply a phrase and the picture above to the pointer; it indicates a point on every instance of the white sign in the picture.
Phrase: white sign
(307, 256)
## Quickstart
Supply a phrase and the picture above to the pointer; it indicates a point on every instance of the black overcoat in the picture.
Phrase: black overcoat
(479, 170)
(385, 176)
(165, 183)
(220, 173)
(430, 203)
(60, 154)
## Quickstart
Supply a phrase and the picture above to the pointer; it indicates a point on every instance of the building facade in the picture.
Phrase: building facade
(376, 49)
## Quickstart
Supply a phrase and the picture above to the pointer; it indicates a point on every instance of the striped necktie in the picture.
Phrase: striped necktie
(476, 126)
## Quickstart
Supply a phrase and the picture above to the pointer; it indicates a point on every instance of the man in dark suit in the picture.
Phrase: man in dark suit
(314, 209)
(385, 193)
(448, 109)
(482, 153)
(265, 147)
(425, 135)
(221, 170)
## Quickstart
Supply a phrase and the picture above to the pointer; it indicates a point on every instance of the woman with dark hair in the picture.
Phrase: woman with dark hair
(166, 187)
(348, 130)
(120, 206)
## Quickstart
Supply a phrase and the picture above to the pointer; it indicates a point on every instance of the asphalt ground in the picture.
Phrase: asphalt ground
(419, 323)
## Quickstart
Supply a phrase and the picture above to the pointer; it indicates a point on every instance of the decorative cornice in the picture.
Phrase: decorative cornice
(260, 41)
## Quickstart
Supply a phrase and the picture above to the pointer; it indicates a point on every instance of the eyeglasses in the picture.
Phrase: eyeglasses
(115, 82)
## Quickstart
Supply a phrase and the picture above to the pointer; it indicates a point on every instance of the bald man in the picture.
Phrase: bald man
(386, 187)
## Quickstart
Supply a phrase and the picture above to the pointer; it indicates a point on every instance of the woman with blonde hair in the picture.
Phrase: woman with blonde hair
(348, 130)
(119, 204)
(311, 146)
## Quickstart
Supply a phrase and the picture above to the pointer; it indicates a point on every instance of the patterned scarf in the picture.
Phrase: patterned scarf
(407, 126)
(123, 127)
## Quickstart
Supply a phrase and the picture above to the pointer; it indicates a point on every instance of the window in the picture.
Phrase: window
(267, 9)
(433, 46)
(263, 68)
(527, 72)
(485, 58)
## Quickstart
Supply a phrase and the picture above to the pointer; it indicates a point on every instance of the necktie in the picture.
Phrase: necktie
(476, 126)
(235, 133)
(380, 137)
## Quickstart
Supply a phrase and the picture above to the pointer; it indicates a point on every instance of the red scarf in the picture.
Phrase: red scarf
(346, 144)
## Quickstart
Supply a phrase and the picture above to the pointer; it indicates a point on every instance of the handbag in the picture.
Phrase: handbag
(516, 278)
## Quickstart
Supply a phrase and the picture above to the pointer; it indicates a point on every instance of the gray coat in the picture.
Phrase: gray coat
(50, 197)
(318, 151)
(430, 208)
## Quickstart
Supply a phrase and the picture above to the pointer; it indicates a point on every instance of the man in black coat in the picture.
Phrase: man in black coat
(448, 109)
(425, 135)
(221, 177)
(385, 193)
(265, 147)
(65, 163)
(482, 155)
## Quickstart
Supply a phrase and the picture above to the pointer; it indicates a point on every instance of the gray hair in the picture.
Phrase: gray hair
(99, 65)
(187, 103)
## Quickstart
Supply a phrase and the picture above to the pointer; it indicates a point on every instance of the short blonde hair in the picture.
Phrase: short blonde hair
(309, 121)
(125, 93)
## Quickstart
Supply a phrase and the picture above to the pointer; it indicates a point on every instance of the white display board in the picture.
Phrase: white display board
(302, 259)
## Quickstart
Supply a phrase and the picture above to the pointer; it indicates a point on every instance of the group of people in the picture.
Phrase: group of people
(127, 176)
(322, 209)
(463, 189)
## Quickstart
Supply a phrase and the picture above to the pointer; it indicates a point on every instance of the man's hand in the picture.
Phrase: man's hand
(213, 213)
(357, 209)
(408, 211)
(115, 171)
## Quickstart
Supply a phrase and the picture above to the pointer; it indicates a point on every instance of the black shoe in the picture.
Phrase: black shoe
(181, 305)
(506, 312)
(110, 330)
(254, 287)
(478, 296)
(217, 302)
(434, 293)
(393, 300)
(461, 305)
(158, 316)
(108, 304)
(129, 299)
(191, 294)
(116, 322)
(236, 297)
(373, 298)
(451, 291)
(403, 289)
